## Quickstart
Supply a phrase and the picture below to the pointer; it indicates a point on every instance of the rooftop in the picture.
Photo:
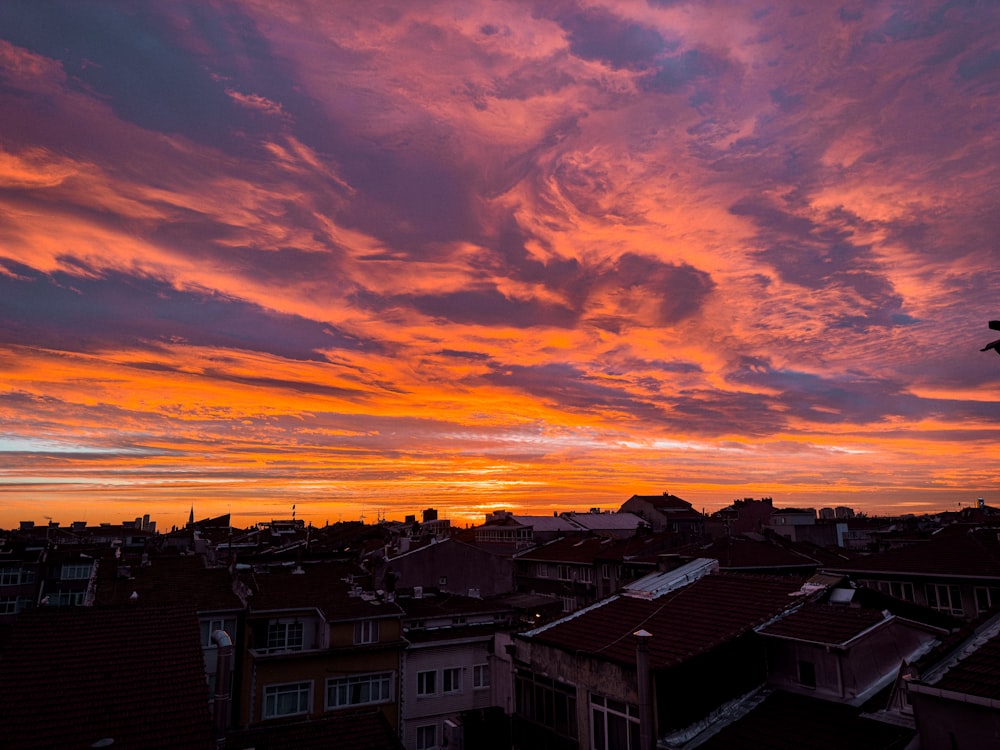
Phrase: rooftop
(665, 502)
(684, 622)
(742, 552)
(355, 729)
(784, 721)
(976, 674)
(72, 676)
(322, 586)
(975, 554)
(971, 669)
(168, 580)
(827, 624)
(606, 521)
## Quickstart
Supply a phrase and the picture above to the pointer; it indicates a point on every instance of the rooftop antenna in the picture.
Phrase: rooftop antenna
(995, 345)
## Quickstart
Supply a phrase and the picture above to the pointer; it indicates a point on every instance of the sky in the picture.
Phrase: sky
(366, 258)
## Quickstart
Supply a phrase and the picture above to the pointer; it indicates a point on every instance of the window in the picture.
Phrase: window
(564, 572)
(366, 631)
(442, 580)
(451, 680)
(284, 636)
(542, 570)
(76, 571)
(605, 570)
(11, 605)
(480, 676)
(986, 598)
(546, 702)
(569, 603)
(615, 724)
(585, 575)
(65, 598)
(807, 673)
(359, 690)
(289, 699)
(427, 737)
(898, 589)
(945, 598)
(13, 576)
(427, 683)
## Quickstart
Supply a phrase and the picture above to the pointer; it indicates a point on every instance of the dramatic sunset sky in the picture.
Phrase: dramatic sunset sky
(372, 257)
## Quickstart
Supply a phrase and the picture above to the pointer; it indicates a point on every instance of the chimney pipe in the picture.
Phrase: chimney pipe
(647, 734)
(223, 670)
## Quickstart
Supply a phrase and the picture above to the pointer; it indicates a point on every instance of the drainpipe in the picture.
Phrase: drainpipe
(647, 734)
(223, 670)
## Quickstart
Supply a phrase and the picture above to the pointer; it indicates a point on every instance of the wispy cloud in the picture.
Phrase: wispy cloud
(471, 254)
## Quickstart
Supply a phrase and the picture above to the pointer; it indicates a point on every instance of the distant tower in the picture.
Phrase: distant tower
(191, 516)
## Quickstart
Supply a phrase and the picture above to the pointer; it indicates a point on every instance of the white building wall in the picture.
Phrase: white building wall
(418, 710)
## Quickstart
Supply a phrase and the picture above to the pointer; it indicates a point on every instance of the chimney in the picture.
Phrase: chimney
(647, 733)
(223, 670)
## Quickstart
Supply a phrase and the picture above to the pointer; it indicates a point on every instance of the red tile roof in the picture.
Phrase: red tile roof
(168, 580)
(972, 555)
(72, 676)
(367, 730)
(319, 585)
(643, 547)
(976, 674)
(788, 722)
(686, 622)
(568, 550)
(828, 624)
(738, 552)
(664, 502)
(446, 605)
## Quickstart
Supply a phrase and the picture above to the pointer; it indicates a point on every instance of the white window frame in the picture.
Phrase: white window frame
(423, 742)
(76, 571)
(425, 690)
(451, 680)
(273, 693)
(599, 736)
(568, 603)
(586, 575)
(12, 576)
(564, 572)
(378, 684)
(285, 636)
(366, 631)
(942, 596)
(480, 676)
(541, 570)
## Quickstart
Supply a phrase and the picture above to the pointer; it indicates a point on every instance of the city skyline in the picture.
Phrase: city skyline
(472, 256)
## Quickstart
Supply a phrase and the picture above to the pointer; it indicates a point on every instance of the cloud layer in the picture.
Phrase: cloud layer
(495, 254)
